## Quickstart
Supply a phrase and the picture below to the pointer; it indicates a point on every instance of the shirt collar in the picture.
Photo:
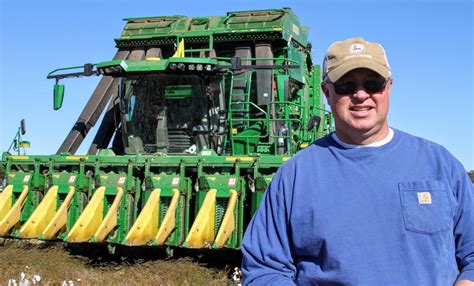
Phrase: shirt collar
(379, 143)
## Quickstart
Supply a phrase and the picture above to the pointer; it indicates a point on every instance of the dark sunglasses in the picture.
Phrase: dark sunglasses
(371, 86)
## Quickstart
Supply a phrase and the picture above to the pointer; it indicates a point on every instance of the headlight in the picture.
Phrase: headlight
(111, 70)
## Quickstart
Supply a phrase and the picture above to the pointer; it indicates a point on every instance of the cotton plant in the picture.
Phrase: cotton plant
(24, 280)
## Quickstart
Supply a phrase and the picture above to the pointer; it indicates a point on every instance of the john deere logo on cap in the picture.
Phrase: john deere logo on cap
(356, 48)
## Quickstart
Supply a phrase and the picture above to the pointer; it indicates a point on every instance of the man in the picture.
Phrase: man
(368, 204)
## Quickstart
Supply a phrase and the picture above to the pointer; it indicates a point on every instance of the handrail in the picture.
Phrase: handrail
(88, 71)
(265, 120)
(259, 59)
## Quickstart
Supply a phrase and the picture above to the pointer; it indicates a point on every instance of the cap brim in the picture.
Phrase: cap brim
(335, 74)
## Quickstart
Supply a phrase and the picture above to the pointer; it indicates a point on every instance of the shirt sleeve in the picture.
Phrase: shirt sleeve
(266, 247)
(464, 224)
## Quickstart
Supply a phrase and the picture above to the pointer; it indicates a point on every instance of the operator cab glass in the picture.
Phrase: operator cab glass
(165, 113)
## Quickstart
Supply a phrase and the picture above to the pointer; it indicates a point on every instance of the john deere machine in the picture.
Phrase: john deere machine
(197, 115)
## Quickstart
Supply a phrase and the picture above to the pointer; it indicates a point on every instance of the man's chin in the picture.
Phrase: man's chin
(363, 127)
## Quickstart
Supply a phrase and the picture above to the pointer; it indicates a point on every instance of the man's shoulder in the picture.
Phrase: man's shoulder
(317, 148)
(414, 140)
(424, 146)
(318, 145)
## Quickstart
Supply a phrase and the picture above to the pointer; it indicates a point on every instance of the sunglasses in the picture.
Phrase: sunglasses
(371, 86)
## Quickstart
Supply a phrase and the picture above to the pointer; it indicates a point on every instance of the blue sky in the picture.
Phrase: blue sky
(429, 45)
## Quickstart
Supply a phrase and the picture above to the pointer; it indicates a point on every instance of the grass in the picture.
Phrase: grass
(57, 263)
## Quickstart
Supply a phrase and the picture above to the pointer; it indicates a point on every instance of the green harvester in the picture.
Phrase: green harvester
(197, 116)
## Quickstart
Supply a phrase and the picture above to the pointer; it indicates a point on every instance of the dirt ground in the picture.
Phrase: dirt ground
(67, 265)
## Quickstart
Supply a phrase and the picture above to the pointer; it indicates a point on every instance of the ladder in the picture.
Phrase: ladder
(239, 103)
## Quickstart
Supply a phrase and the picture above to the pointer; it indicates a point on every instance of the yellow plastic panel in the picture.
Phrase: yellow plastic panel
(41, 216)
(60, 218)
(110, 219)
(180, 50)
(228, 222)
(145, 227)
(90, 219)
(202, 232)
(13, 215)
(6, 201)
(169, 222)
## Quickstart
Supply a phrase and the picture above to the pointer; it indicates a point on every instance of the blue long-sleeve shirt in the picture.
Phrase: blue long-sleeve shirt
(398, 214)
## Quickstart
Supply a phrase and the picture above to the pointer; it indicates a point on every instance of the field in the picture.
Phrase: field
(62, 264)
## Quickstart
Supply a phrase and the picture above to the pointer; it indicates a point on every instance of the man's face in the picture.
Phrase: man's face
(360, 108)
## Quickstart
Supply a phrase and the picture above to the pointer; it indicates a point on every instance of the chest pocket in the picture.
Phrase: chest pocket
(427, 206)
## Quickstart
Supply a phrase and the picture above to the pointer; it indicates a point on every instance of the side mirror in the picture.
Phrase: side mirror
(23, 127)
(58, 96)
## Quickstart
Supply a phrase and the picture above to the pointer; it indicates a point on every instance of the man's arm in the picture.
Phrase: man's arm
(266, 246)
(464, 283)
(464, 226)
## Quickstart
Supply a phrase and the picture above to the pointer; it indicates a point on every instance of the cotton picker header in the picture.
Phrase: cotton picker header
(198, 114)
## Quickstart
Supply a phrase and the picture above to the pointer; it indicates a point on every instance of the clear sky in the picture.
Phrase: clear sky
(429, 45)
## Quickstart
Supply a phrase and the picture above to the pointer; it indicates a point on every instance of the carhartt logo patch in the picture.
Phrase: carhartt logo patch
(424, 198)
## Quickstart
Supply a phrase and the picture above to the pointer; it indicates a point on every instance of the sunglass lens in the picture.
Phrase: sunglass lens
(374, 86)
(350, 87)
(345, 87)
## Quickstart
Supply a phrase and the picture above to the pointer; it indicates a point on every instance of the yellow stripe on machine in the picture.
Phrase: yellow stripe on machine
(13, 215)
(202, 231)
(145, 227)
(90, 219)
(110, 219)
(41, 216)
(228, 222)
(60, 218)
(169, 221)
(19, 157)
(76, 158)
(153, 59)
(243, 159)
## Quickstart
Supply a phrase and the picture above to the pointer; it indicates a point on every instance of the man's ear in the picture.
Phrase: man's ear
(324, 88)
(390, 84)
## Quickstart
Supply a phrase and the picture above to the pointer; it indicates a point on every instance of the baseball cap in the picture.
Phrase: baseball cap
(354, 53)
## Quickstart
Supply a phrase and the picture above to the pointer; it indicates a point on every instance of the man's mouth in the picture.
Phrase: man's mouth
(360, 108)
(360, 111)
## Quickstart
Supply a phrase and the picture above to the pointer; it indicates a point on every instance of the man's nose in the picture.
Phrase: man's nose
(360, 94)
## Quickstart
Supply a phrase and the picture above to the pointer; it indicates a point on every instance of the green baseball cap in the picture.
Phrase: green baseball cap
(354, 53)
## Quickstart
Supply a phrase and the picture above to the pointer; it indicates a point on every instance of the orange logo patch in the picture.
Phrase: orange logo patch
(424, 198)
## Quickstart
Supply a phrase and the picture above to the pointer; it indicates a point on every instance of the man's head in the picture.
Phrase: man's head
(357, 83)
